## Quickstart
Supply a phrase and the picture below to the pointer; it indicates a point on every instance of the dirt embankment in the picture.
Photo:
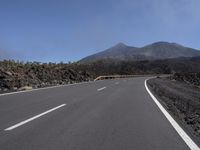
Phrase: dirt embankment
(180, 94)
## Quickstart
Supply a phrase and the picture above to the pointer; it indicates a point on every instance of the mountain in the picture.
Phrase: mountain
(159, 50)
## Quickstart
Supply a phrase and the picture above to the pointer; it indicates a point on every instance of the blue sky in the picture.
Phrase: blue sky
(68, 30)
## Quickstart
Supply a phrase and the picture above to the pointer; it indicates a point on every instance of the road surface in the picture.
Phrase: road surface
(105, 115)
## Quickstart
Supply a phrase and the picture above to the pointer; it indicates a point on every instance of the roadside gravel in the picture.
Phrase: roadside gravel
(182, 101)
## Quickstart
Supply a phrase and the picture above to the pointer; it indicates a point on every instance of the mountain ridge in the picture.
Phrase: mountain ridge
(157, 50)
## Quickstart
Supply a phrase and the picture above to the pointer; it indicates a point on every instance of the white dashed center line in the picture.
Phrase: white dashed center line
(101, 88)
(33, 118)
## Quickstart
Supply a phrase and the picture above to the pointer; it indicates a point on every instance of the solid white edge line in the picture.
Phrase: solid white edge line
(33, 118)
(51, 87)
(191, 144)
(101, 88)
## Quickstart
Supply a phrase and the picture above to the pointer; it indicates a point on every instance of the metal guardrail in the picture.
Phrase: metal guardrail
(130, 76)
(115, 77)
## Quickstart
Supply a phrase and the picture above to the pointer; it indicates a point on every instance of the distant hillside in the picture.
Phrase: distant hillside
(17, 75)
(159, 50)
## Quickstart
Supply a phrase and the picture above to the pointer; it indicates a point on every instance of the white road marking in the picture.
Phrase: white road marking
(101, 88)
(33, 118)
(191, 144)
(51, 87)
(116, 82)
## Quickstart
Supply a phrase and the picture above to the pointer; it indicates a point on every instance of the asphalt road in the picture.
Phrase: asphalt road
(105, 115)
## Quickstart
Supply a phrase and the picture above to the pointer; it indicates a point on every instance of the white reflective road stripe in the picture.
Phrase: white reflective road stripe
(33, 118)
(176, 126)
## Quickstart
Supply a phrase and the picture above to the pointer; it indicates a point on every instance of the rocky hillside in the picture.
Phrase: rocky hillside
(18, 76)
(189, 78)
(159, 50)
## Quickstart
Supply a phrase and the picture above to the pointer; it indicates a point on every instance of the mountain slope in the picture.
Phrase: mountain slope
(163, 50)
(159, 50)
(119, 52)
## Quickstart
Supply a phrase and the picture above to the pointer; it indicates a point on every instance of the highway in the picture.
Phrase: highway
(104, 115)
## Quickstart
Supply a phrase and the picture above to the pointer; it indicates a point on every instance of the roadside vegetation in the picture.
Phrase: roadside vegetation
(15, 75)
